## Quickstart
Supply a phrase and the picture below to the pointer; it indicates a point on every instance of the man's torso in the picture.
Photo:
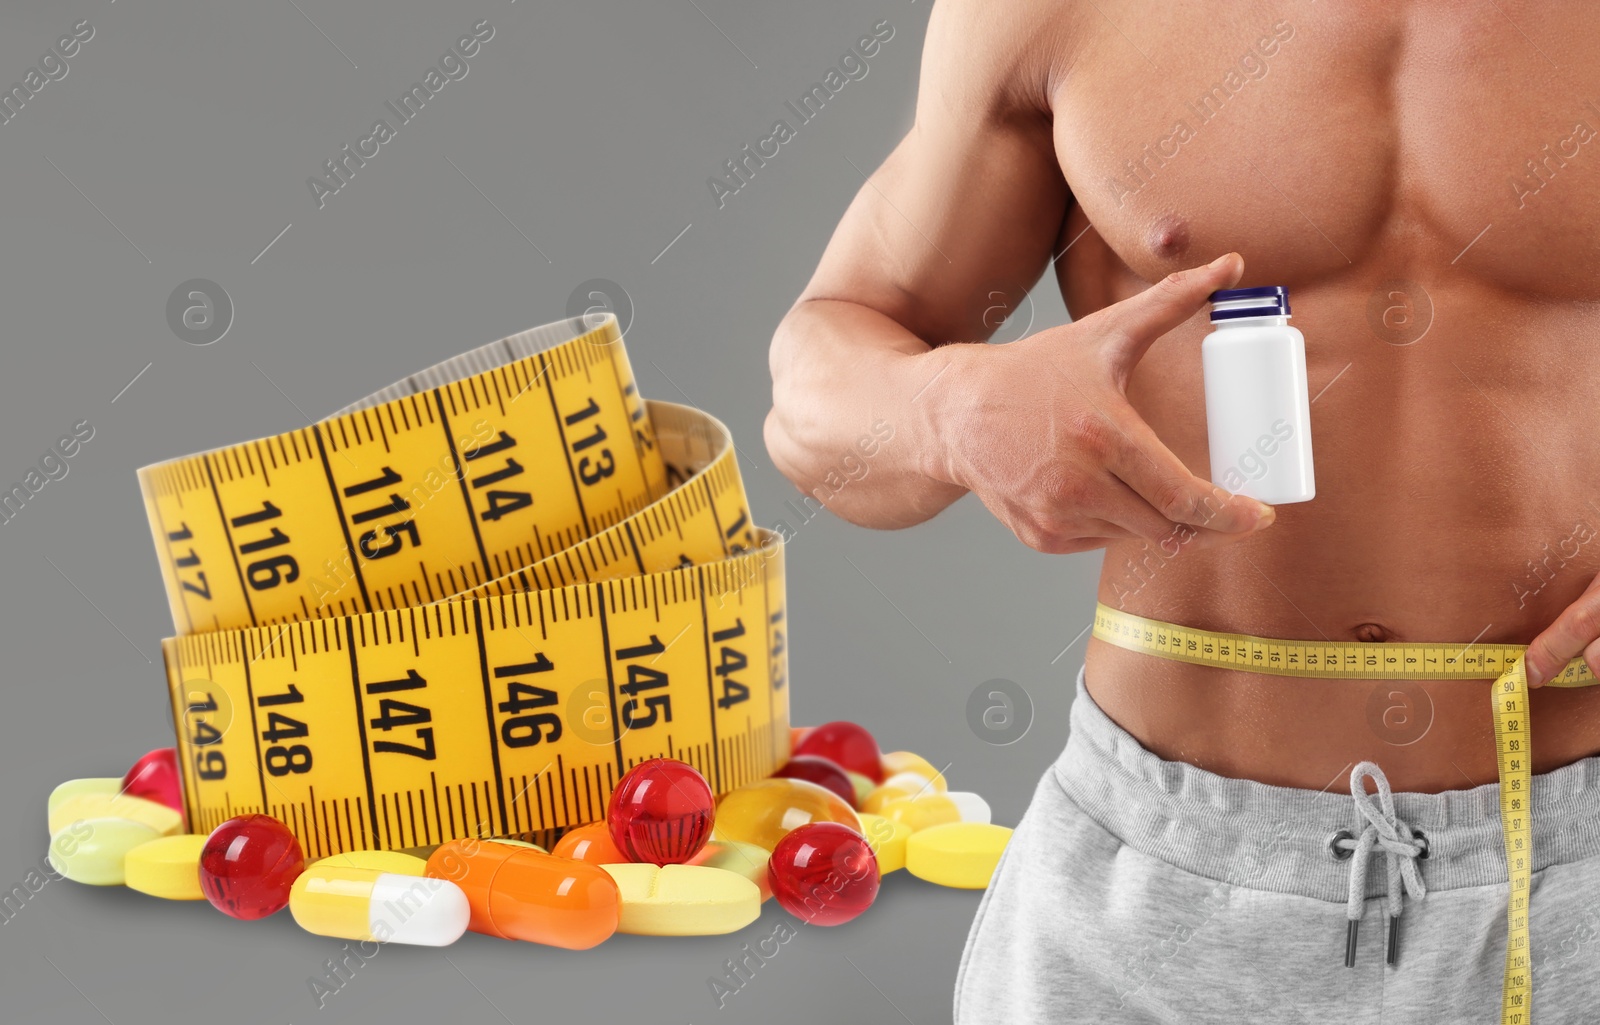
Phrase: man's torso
(1426, 181)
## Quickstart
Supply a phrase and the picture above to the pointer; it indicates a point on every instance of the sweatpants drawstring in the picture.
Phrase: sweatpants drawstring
(1402, 846)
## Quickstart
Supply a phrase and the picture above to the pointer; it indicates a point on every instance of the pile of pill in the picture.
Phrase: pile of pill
(669, 859)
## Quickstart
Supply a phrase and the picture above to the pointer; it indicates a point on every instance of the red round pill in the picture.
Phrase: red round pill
(248, 865)
(824, 873)
(155, 777)
(661, 812)
(821, 771)
(847, 745)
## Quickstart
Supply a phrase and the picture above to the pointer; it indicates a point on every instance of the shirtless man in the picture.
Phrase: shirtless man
(1424, 179)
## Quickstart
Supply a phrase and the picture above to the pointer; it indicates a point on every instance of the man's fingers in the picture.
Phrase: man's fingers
(1139, 459)
(1133, 516)
(1113, 522)
(1086, 544)
(1573, 632)
(1138, 321)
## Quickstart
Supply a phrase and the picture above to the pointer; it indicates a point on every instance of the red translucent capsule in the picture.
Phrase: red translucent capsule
(847, 745)
(824, 873)
(155, 777)
(823, 772)
(248, 865)
(661, 812)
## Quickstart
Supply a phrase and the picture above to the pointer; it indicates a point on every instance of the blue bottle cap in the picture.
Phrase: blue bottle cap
(1234, 303)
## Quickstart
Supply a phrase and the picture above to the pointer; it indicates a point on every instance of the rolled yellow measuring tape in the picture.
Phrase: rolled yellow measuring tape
(466, 605)
(1396, 661)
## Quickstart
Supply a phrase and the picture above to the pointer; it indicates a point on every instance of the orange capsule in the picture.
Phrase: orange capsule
(518, 893)
(591, 843)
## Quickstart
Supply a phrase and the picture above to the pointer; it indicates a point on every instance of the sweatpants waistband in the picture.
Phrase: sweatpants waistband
(1278, 838)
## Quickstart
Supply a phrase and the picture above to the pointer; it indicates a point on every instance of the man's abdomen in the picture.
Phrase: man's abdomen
(1458, 500)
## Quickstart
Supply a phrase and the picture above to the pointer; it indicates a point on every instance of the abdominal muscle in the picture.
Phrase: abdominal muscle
(1456, 502)
(1427, 736)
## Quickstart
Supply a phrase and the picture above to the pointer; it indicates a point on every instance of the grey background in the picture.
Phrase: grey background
(178, 147)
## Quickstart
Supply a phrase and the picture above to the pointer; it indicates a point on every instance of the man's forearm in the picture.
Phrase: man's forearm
(855, 420)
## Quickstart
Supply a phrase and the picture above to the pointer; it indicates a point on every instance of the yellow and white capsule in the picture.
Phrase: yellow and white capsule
(896, 762)
(902, 785)
(363, 904)
(919, 813)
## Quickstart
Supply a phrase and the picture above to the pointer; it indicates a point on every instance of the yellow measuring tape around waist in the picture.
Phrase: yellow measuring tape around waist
(466, 605)
(1396, 661)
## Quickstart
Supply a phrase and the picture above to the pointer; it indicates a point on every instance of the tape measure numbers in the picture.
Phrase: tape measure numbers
(1513, 752)
(466, 605)
(1396, 661)
(705, 517)
(408, 498)
(1392, 660)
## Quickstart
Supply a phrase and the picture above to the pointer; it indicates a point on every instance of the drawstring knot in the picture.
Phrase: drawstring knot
(1401, 846)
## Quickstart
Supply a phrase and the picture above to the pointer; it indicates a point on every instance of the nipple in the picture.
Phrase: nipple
(1168, 237)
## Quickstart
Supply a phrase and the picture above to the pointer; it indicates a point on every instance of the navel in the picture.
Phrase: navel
(1372, 633)
(1168, 237)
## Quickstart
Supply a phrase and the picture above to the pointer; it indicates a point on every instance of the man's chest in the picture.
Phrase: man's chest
(1318, 139)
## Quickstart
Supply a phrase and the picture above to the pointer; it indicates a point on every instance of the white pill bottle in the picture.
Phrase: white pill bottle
(1258, 413)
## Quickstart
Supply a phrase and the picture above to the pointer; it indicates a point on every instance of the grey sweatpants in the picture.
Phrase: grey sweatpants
(1141, 890)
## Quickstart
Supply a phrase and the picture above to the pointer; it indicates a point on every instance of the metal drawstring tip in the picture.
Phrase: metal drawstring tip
(1394, 941)
(1350, 943)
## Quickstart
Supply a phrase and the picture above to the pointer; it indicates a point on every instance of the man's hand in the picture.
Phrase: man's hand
(970, 203)
(1576, 631)
(1042, 431)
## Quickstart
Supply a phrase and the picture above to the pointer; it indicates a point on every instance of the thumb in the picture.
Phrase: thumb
(1136, 322)
(1572, 633)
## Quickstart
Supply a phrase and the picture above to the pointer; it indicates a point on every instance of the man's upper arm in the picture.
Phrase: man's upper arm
(972, 199)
